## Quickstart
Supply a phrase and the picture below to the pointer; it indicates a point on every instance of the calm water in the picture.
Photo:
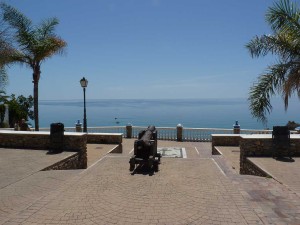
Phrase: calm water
(209, 113)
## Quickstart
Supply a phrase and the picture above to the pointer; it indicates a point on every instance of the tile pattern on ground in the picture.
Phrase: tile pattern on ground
(201, 189)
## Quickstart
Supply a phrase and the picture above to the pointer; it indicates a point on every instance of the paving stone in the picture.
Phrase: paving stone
(200, 189)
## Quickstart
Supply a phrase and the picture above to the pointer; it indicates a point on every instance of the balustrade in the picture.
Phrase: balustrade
(168, 133)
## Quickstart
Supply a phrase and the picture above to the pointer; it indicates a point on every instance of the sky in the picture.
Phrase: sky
(147, 49)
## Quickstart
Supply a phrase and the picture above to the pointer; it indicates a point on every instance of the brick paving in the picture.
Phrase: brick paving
(201, 189)
(289, 175)
(232, 155)
(16, 164)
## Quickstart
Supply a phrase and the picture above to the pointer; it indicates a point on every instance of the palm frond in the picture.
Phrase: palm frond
(24, 33)
(15, 18)
(284, 77)
(292, 83)
(282, 44)
(49, 47)
(261, 92)
(10, 55)
(46, 28)
(284, 15)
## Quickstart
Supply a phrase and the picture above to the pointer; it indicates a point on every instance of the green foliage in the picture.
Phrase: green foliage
(29, 45)
(292, 125)
(284, 77)
(3, 97)
(20, 108)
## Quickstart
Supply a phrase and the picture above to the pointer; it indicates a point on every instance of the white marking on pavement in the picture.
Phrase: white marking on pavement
(219, 167)
(99, 159)
(131, 151)
(93, 164)
(197, 151)
(183, 153)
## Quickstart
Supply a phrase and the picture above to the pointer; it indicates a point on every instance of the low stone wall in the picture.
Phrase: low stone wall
(41, 140)
(70, 163)
(261, 146)
(224, 140)
(104, 138)
(251, 169)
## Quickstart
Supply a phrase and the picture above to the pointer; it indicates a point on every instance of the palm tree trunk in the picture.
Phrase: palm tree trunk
(36, 78)
(36, 104)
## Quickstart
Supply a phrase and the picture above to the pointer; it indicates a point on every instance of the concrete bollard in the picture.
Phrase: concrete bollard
(179, 129)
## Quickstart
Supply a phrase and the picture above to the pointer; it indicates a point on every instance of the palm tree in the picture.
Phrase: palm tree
(283, 77)
(33, 45)
(4, 45)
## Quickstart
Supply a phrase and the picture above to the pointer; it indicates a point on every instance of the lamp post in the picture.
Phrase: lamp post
(84, 83)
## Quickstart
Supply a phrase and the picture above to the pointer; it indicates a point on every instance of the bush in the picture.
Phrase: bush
(292, 125)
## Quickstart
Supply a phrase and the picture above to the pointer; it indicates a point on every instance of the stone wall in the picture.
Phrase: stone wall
(224, 140)
(104, 138)
(41, 140)
(251, 169)
(70, 163)
(261, 146)
(254, 146)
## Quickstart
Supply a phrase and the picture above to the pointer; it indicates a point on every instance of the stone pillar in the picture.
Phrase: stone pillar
(236, 128)
(129, 130)
(78, 126)
(179, 129)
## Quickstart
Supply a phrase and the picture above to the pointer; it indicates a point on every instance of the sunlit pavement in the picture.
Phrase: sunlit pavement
(199, 189)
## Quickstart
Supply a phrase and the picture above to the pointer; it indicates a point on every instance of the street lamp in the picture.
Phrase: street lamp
(84, 83)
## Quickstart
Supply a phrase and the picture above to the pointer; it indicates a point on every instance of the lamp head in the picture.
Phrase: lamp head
(83, 82)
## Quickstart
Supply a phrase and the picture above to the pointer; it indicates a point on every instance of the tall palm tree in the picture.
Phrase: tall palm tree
(283, 77)
(32, 46)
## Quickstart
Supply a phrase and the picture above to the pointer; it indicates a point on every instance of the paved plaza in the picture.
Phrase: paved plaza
(198, 189)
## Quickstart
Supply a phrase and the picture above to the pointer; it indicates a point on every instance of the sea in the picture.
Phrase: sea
(190, 113)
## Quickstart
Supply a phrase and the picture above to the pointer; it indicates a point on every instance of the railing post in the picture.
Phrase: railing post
(129, 130)
(179, 132)
(78, 127)
(236, 128)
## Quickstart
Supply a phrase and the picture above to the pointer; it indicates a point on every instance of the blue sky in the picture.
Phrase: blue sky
(147, 48)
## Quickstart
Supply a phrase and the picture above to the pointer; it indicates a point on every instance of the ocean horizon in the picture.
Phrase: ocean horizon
(192, 113)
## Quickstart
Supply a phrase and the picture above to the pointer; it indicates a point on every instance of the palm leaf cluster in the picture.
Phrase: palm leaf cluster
(31, 45)
(283, 77)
